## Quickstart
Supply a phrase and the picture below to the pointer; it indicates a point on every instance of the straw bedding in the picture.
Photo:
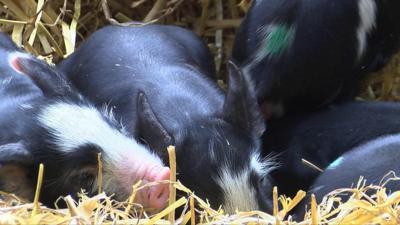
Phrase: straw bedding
(52, 29)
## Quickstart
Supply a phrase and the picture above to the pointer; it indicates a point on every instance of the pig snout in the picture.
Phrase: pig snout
(155, 196)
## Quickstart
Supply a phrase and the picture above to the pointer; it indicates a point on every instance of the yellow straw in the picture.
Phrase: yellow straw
(172, 179)
(36, 205)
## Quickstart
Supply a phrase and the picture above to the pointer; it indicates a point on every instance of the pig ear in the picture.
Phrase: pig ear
(15, 165)
(240, 106)
(150, 128)
(43, 75)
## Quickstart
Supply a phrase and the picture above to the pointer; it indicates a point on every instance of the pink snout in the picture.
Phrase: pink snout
(156, 196)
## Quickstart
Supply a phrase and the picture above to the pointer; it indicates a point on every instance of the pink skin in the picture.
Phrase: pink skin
(15, 63)
(156, 196)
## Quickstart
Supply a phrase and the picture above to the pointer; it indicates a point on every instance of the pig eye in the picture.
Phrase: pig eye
(83, 179)
(86, 176)
(264, 182)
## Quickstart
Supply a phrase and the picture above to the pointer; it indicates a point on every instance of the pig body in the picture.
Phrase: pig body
(372, 160)
(148, 73)
(322, 136)
(302, 55)
(43, 119)
(158, 84)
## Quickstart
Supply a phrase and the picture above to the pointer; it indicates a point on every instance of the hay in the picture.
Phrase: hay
(366, 205)
(53, 29)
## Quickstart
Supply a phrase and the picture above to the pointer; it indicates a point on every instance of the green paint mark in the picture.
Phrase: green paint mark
(279, 39)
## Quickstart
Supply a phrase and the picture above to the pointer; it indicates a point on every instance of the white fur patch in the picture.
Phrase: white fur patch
(239, 194)
(262, 167)
(367, 12)
(73, 126)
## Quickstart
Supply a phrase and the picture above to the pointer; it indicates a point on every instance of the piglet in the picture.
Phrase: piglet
(43, 119)
(373, 160)
(157, 81)
(303, 55)
(322, 136)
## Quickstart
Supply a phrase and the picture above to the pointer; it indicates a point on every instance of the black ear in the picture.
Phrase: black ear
(16, 163)
(150, 128)
(43, 75)
(240, 106)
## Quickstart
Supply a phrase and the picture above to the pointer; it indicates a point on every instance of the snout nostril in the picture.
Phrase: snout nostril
(162, 192)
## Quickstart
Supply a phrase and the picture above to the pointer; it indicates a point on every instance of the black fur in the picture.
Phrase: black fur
(373, 160)
(171, 68)
(321, 137)
(320, 63)
(28, 86)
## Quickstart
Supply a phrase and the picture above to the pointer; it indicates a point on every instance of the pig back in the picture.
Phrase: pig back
(116, 63)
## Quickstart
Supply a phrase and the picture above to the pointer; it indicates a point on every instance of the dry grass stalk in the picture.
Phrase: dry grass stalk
(365, 205)
(172, 190)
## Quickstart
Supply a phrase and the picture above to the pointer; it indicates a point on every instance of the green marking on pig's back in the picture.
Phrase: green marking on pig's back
(278, 39)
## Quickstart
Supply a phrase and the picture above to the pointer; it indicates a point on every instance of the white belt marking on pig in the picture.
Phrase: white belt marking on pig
(367, 12)
(73, 126)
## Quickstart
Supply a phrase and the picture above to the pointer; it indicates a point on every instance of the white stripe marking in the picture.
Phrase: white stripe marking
(262, 167)
(367, 12)
(73, 126)
(238, 193)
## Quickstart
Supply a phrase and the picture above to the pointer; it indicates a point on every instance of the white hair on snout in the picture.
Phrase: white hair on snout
(72, 126)
(238, 192)
(263, 166)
